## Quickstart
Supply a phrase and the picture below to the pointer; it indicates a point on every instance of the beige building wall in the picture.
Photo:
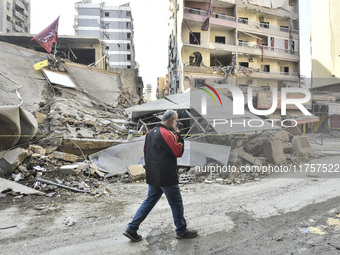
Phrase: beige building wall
(325, 42)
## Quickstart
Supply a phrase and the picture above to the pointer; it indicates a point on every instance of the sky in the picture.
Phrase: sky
(151, 31)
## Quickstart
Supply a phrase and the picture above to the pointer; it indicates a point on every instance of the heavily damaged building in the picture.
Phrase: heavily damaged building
(249, 43)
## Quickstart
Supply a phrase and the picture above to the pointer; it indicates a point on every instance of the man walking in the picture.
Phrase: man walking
(163, 145)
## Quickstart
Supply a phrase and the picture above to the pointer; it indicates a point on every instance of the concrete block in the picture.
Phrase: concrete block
(41, 118)
(273, 151)
(283, 136)
(16, 156)
(5, 168)
(65, 156)
(302, 145)
(247, 157)
(70, 170)
(136, 171)
(37, 149)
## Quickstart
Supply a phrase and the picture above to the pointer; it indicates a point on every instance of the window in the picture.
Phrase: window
(220, 39)
(8, 18)
(107, 36)
(264, 24)
(128, 35)
(244, 64)
(195, 38)
(128, 25)
(284, 28)
(128, 57)
(106, 25)
(128, 14)
(107, 47)
(8, 31)
(291, 2)
(265, 68)
(107, 14)
(128, 46)
(195, 11)
(129, 67)
(243, 20)
(199, 82)
(8, 6)
(242, 43)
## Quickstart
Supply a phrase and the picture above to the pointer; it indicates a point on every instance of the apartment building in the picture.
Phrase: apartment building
(246, 43)
(114, 26)
(15, 16)
(325, 42)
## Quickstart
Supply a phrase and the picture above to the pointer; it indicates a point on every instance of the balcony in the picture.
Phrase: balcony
(266, 28)
(215, 18)
(268, 52)
(18, 15)
(244, 72)
(19, 4)
(18, 28)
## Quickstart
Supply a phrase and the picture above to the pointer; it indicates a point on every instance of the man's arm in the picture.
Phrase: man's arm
(175, 142)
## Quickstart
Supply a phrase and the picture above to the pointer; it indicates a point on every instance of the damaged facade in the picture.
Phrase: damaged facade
(246, 43)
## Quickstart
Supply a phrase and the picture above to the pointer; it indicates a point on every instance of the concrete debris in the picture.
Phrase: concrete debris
(248, 157)
(65, 156)
(15, 157)
(7, 185)
(136, 172)
(70, 170)
(302, 145)
(41, 118)
(69, 222)
(273, 150)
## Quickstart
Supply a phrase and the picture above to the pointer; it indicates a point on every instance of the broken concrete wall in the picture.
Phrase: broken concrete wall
(16, 68)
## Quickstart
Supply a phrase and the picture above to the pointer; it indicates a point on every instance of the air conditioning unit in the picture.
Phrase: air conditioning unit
(251, 59)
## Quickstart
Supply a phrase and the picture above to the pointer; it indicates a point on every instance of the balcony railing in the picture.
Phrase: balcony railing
(19, 15)
(265, 25)
(204, 13)
(256, 46)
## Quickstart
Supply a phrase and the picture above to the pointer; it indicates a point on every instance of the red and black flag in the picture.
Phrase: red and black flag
(48, 36)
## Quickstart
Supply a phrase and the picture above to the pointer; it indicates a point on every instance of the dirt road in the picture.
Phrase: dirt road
(297, 215)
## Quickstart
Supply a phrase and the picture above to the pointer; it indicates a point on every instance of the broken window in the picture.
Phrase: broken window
(128, 46)
(244, 64)
(291, 2)
(107, 47)
(265, 68)
(195, 11)
(128, 67)
(128, 57)
(284, 69)
(8, 18)
(195, 38)
(199, 82)
(220, 39)
(243, 20)
(284, 28)
(128, 35)
(128, 25)
(242, 43)
(264, 24)
(128, 14)
(107, 14)
(195, 59)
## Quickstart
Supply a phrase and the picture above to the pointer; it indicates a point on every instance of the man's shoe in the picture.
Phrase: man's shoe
(188, 233)
(133, 236)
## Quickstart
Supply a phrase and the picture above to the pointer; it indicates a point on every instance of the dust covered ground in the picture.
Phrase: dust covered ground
(296, 215)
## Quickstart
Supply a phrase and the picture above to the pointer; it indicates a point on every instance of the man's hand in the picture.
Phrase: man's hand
(176, 129)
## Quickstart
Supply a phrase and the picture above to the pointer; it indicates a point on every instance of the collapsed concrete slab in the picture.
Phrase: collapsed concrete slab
(7, 185)
(302, 145)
